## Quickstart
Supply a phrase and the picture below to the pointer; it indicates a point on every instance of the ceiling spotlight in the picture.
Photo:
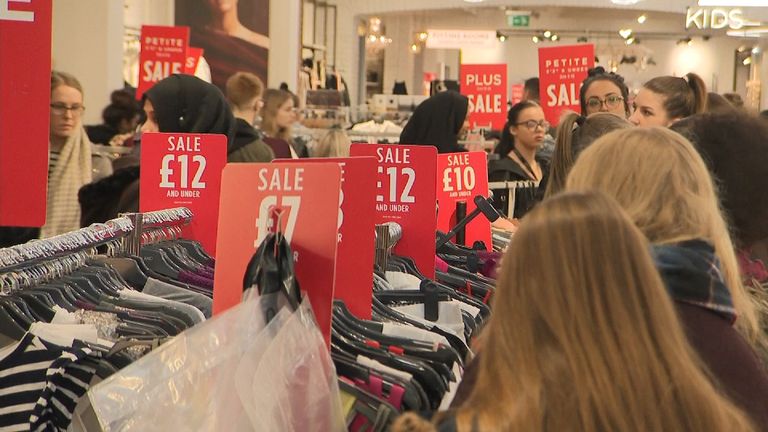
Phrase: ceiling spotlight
(547, 34)
(685, 41)
(747, 61)
(535, 39)
(414, 48)
(372, 38)
(502, 38)
(625, 33)
(741, 49)
(555, 38)
(756, 50)
(642, 19)
(423, 36)
(582, 39)
(630, 41)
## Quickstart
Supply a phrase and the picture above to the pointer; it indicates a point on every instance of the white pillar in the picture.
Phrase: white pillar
(88, 43)
(285, 43)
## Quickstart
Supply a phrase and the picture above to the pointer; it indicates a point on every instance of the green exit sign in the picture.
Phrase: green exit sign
(518, 20)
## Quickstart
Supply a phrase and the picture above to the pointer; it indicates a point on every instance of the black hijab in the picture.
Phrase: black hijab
(437, 121)
(187, 104)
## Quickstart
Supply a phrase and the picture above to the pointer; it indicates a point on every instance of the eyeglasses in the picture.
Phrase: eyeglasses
(532, 124)
(612, 101)
(61, 108)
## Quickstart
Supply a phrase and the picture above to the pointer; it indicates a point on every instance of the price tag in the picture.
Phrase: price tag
(308, 195)
(462, 177)
(25, 92)
(357, 233)
(184, 170)
(163, 53)
(406, 187)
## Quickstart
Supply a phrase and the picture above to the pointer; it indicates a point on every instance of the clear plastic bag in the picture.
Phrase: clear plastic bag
(234, 372)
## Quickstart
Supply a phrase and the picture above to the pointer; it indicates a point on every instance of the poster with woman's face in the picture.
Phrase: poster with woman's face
(234, 35)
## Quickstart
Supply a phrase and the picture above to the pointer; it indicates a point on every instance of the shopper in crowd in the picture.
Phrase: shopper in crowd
(334, 144)
(277, 119)
(244, 92)
(593, 346)
(517, 160)
(575, 134)
(735, 147)
(531, 90)
(438, 122)
(735, 99)
(120, 117)
(667, 99)
(179, 103)
(604, 91)
(662, 182)
(718, 104)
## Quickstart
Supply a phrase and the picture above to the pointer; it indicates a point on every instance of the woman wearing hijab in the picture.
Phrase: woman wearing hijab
(179, 103)
(437, 121)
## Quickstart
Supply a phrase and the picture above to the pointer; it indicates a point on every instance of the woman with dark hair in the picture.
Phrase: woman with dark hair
(438, 121)
(604, 91)
(734, 146)
(667, 99)
(120, 117)
(522, 136)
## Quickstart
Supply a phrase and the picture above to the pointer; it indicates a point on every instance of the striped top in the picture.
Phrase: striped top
(40, 385)
(53, 159)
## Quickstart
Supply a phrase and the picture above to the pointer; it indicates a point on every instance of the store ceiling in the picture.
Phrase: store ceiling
(391, 6)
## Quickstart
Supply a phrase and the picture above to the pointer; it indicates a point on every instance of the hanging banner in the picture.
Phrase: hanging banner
(25, 92)
(357, 232)
(562, 69)
(163, 53)
(460, 178)
(406, 194)
(193, 60)
(486, 88)
(184, 170)
(308, 195)
(461, 39)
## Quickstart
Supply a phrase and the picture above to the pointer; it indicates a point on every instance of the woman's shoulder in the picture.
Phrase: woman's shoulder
(505, 169)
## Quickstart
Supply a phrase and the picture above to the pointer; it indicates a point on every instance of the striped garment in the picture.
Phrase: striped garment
(40, 385)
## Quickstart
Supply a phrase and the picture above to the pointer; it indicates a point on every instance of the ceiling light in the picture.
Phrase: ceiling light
(625, 2)
(630, 41)
(747, 61)
(756, 50)
(582, 39)
(642, 19)
(625, 33)
(555, 38)
(502, 38)
(535, 39)
(414, 48)
(547, 34)
(473, 1)
(423, 36)
(734, 3)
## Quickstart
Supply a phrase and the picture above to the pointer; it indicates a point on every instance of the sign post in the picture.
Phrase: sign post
(461, 177)
(25, 92)
(406, 194)
(562, 69)
(163, 53)
(486, 88)
(308, 194)
(184, 170)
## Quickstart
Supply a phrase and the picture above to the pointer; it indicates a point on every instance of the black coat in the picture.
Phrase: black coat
(506, 169)
(437, 121)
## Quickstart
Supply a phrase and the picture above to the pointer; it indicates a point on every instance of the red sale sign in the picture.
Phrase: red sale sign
(25, 92)
(486, 88)
(357, 232)
(163, 53)
(406, 183)
(308, 195)
(460, 178)
(184, 170)
(193, 59)
(562, 69)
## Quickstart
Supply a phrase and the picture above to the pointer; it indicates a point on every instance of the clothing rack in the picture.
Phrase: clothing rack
(387, 236)
(157, 220)
(512, 187)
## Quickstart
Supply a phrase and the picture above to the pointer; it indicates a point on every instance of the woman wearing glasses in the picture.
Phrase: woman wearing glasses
(604, 92)
(523, 134)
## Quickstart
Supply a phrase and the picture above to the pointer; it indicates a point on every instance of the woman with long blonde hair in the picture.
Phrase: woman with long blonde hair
(594, 345)
(662, 182)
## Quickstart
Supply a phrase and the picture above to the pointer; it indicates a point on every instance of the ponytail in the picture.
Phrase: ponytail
(563, 157)
(699, 91)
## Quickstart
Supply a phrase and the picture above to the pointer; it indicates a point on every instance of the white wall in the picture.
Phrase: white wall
(88, 43)
(285, 43)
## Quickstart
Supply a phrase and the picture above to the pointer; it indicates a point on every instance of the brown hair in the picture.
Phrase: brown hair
(683, 97)
(241, 88)
(273, 100)
(594, 346)
(660, 179)
(62, 78)
(334, 144)
(574, 134)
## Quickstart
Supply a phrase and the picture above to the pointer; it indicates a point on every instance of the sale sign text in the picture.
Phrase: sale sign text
(486, 88)
(561, 73)
(462, 177)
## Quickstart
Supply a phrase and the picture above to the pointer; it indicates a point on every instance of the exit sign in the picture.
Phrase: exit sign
(518, 20)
